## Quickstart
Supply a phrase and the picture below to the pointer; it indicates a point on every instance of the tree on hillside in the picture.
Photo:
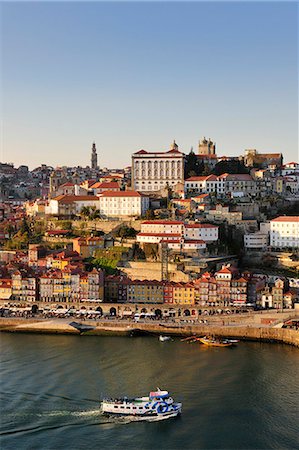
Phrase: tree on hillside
(193, 167)
(149, 214)
(86, 211)
(126, 232)
(25, 227)
(231, 166)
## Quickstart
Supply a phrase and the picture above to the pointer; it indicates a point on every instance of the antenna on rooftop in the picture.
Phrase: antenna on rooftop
(164, 261)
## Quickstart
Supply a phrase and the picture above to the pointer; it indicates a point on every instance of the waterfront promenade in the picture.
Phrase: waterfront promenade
(266, 326)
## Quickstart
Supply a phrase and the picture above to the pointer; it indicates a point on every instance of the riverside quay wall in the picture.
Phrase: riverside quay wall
(62, 326)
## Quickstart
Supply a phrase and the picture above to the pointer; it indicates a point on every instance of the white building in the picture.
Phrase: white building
(291, 183)
(123, 204)
(152, 171)
(256, 240)
(202, 231)
(235, 185)
(156, 238)
(290, 168)
(185, 245)
(67, 205)
(205, 185)
(190, 236)
(284, 232)
(163, 227)
(238, 183)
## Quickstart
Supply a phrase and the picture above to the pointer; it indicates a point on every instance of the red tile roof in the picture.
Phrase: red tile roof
(200, 225)
(106, 185)
(121, 194)
(201, 196)
(224, 270)
(55, 232)
(75, 198)
(206, 178)
(286, 219)
(170, 153)
(67, 184)
(239, 177)
(163, 222)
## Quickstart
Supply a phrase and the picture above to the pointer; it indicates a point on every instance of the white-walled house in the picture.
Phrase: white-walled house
(205, 185)
(178, 234)
(258, 240)
(68, 205)
(284, 232)
(163, 226)
(238, 185)
(203, 231)
(123, 204)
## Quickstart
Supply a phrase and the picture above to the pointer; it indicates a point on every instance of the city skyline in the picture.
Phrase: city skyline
(138, 75)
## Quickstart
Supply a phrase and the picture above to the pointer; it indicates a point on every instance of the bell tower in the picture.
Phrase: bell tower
(94, 157)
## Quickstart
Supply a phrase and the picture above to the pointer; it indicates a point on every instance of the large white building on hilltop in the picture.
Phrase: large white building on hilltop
(284, 232)
(152, 171)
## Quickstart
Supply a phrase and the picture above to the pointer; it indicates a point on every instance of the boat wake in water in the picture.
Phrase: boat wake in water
(105, 418)
(128, 419)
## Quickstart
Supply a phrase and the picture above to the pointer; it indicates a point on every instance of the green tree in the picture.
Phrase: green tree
(126, 232)
(151, 251)
(25, 227)
(231, 166)
(193, 167)
(85, 212)
(149, 214)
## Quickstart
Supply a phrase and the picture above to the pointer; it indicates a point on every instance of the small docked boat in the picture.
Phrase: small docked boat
(215, 342)
(189, 338)
(158, 404)
(82, 327)
(164, 338)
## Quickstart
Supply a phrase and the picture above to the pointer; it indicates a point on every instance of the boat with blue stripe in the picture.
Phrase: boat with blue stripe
(157, 404)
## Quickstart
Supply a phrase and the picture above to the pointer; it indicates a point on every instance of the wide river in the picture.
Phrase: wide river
(240, 398)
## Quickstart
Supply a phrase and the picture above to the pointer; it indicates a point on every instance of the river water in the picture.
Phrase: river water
(240, 398)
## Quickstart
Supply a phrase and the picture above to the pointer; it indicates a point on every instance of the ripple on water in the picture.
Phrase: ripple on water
(241, 399)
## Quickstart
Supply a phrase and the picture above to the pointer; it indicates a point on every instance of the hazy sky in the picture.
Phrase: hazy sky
(138, 75)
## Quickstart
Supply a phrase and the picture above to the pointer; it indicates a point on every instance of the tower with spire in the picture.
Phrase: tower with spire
(206, 147)
(174, 146)
(94, 157)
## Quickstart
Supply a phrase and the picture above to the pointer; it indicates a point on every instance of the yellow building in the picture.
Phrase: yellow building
(279, 185)
(59, 264)
(145, 291)
(87, 246)
(183, 294)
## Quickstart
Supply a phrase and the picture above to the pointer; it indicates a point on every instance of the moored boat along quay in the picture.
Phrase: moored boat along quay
(258, 327)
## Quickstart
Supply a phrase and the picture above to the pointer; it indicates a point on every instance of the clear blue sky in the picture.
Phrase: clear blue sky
(138, 75)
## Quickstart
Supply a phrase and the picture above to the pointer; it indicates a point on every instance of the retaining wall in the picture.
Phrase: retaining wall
(268, 334)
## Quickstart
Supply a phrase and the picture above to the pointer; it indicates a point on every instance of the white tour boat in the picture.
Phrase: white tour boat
(158, 404)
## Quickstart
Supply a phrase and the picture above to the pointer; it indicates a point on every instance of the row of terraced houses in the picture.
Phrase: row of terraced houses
(67, 287)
